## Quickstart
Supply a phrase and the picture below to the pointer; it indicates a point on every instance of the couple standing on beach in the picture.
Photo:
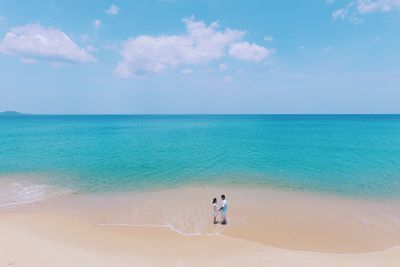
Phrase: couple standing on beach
(223, 209)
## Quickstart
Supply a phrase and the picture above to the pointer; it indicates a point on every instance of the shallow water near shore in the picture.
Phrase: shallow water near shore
(353, 155)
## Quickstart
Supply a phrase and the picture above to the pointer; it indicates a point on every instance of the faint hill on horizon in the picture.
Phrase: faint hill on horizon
(11, 113)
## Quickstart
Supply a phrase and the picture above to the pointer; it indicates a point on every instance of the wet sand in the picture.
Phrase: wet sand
(292, 220)
(43, 239)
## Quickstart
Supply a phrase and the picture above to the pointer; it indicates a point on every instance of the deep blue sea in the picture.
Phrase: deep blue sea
(356, 155)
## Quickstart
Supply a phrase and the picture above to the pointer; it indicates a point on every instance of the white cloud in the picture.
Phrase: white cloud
(200, 44)
(359, 7)
(249, 52)
(2, 20)
(33, 41)
(112, 10)
(222, 67)
(96, 24)
(330, 1)
(328, 48)
(365, 6)
(340, 13)
(268, 38)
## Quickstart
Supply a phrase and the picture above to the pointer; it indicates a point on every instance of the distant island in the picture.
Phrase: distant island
(11, 113)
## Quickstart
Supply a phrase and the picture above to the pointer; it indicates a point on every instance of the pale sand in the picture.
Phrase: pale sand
(43, 239)
(290, 220)
(266, 228)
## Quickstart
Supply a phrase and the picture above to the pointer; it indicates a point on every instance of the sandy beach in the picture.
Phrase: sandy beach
(266, 227)
(40, 239)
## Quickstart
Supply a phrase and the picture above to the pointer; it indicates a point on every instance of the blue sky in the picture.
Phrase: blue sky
(183, 56)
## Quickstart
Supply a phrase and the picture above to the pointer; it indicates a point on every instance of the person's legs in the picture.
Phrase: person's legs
(223, 216)
(215, 219)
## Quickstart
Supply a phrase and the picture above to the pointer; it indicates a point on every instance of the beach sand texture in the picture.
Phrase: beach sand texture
(39, 239)
(266, 228)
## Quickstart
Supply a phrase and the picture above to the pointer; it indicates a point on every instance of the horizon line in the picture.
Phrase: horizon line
(186, 114)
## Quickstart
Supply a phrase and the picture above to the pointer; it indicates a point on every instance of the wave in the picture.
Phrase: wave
(14, 194)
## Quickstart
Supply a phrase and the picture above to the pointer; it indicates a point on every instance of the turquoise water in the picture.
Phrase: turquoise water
(341, 154)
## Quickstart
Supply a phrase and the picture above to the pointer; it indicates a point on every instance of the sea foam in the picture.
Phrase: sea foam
(14, 194)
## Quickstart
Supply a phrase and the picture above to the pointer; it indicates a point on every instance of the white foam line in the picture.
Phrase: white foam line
(169, 226)
(14, 204)
(19, 203)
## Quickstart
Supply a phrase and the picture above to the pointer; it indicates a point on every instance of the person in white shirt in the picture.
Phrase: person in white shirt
(215, 210)
(224, 209)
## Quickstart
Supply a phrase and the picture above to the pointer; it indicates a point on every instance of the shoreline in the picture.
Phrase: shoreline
(46, 239)
(167, 227)
(289, 220)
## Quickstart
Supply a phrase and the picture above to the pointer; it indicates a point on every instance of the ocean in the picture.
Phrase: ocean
(351, 155)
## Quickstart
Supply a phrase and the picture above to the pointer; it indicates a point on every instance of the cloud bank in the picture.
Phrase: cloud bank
(358, 7)
(35, 42)
(200, 44)
(249, 52)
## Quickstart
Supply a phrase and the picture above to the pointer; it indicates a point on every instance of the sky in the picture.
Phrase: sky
(200, 57)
